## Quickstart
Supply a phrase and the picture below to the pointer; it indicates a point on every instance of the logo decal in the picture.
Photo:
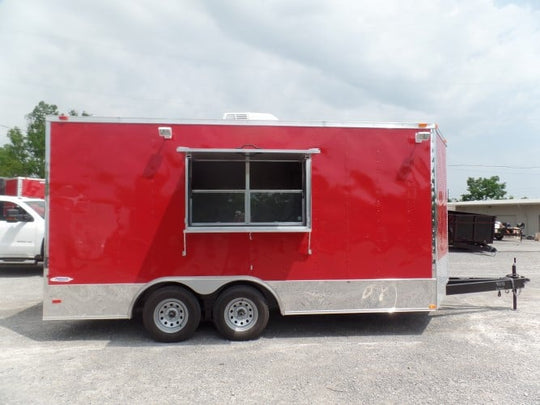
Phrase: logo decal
(61, 279)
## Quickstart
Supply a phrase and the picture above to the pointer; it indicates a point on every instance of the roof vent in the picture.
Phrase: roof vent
(249, 116)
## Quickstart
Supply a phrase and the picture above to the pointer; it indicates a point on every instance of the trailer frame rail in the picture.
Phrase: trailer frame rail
(466, 285)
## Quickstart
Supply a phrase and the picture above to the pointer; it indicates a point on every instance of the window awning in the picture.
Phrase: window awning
(247, 151)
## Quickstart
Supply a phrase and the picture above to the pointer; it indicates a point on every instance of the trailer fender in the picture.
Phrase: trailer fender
(205, 286)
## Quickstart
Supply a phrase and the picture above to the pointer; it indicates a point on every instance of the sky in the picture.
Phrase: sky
(471, 66)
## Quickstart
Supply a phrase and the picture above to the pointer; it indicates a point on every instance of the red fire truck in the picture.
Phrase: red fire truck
(224, 220)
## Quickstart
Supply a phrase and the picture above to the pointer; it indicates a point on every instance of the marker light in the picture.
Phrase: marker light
(165, 132)
(420, 137)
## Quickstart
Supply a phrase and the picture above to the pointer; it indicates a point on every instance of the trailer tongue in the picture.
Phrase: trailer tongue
(465, 285)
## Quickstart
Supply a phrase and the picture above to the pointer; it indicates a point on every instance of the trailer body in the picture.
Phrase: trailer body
(316, 218)
(22, 187)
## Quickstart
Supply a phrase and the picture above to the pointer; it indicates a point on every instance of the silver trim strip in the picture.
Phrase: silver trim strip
(116, 301)
(47, 206)
(248, 228)
(440, 271)
(355, 296)
(434, 210)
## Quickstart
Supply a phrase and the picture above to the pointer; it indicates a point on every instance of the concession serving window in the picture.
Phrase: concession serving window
(248, 190)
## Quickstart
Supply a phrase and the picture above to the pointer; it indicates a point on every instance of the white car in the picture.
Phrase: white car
(22, 228)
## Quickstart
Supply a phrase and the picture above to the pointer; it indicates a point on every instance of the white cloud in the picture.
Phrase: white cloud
(472, 66)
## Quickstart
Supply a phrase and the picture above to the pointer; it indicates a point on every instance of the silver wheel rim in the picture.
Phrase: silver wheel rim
(241, 314)
(171, 315)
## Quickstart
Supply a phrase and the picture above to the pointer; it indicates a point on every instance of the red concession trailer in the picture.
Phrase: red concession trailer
(222, 220)
(23, 187)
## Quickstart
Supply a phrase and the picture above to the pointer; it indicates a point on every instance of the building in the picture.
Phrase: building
(511, 211)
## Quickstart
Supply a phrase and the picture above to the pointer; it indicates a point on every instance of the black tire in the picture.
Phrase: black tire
(171, 314)
(241, 313)
(41, 256)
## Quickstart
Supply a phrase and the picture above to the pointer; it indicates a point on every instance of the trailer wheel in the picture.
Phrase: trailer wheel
(241, 313)
(171, 314)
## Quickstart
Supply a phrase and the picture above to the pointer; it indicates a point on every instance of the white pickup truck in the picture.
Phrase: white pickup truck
(22, 228)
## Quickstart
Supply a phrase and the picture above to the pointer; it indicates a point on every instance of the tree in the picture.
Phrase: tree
(483, 188)
(13, 155)
(35, 138)
(24, 154)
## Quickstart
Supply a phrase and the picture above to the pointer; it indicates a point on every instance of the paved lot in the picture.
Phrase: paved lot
(474, 350)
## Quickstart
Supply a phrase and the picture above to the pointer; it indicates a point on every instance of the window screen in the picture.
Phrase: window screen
(263, 189)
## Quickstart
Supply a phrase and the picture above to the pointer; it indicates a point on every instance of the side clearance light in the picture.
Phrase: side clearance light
(165, 132)
(422, 136)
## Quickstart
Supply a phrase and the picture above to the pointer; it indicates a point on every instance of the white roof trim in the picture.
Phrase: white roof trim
(175, 121)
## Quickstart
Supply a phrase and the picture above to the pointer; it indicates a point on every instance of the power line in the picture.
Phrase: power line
(497, 166)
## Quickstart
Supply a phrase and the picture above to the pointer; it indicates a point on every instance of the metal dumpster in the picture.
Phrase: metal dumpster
(471, 231)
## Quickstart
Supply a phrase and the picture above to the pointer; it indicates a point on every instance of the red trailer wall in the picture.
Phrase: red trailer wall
(117, 205)
(11, 187)
(33, 188)
(24, 187)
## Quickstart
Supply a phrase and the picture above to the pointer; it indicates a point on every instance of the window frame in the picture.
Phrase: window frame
(304, 156)
(22, 214)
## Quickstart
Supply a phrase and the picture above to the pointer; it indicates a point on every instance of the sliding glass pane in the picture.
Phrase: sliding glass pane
(276, 175)
(276, 207)
(218, 175)
(217, 207)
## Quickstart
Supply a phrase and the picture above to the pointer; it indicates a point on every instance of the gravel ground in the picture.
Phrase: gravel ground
(474, 350)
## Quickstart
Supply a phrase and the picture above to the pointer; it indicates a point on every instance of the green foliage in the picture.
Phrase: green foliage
(24, 154)
(482, 188)
(13, 155)
(35, 138)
